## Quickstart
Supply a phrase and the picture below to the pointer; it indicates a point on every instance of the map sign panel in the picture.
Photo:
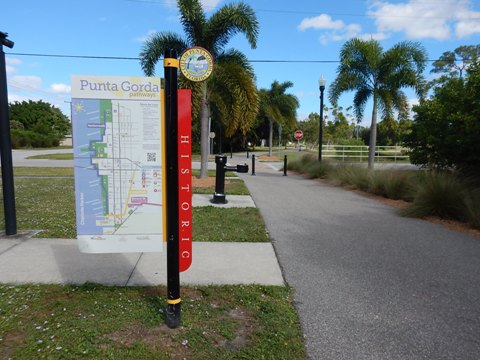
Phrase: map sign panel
(119, 182)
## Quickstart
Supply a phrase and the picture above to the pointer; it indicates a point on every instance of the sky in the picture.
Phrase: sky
(298, 41)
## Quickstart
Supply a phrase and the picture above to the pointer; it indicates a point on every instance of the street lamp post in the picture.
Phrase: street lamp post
(321, 83)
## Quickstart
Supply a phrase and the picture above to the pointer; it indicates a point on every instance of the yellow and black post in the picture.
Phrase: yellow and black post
(171, 65)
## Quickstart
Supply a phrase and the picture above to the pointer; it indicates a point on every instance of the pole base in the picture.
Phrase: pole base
(173, 316)
(219, 199)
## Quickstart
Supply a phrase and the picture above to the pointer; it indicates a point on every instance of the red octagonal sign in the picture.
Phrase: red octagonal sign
(298, 135)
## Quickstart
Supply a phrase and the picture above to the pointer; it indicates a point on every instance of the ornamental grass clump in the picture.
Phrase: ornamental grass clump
(472, 207)
(398, 185)
(438, 194)
(300, 165)
(316, 169)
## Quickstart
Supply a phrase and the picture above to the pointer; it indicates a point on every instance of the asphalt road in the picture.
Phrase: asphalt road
(368, 283)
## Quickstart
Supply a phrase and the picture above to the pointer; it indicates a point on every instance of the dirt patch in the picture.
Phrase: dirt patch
(204, 183)
(10, 343)
(159, 337)
(246, 326)
(170, 340)
(268, 158)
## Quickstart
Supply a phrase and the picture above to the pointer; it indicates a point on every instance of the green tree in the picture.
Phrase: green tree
(454, 63)
(378, 75)
(388, 132)
(37, 124)
(231, 89)
(446, 127)
(338, 128)
(277, 107)
(310, 127)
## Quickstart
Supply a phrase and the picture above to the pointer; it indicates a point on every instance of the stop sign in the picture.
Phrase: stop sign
(298, 135)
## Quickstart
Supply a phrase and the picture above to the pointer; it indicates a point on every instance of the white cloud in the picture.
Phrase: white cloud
(17, 98)
(413, 102)
(13, 61)
(10, 69)
(26, 83)
(143, 38)
(336, 30)
(11, 64)
(466, 27)
(209, 4)
(419, 19)
(60, 88)
(375, 36)
(322, 21)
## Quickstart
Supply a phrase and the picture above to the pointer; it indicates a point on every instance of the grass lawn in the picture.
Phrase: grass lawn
(98, 322)
(42, 171)
(59, 156)
(232, 187)
(228, 224)
(48, 204)
(196, 172)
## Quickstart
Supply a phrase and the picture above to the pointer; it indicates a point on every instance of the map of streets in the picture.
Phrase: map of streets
(118, 174)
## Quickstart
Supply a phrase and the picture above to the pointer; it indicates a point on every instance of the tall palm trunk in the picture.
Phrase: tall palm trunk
(204, 114)
(270, 137)
(373, 134)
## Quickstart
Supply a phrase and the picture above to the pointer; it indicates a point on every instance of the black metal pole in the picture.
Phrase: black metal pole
(320, 131)
(6, 145)
(285, 165)
(253, 164)
(173, 316)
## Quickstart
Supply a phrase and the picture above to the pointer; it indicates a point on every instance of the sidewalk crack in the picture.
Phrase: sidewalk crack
(133, 270)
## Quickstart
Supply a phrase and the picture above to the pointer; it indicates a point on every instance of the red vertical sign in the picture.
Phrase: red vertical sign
(184, 179)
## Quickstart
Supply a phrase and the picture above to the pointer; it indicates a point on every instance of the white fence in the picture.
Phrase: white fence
(360, 153)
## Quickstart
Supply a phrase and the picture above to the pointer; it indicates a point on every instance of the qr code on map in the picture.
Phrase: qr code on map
(151, 157)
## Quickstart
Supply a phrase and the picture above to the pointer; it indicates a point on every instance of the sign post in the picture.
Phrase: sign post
(171, 64)
(5, 145)
(298, 134)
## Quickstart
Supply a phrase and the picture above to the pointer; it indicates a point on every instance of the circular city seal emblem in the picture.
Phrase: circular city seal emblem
(196, 64)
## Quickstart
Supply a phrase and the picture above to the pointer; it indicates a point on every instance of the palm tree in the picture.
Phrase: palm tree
(233, 76)
(372, 73)
(277, 107)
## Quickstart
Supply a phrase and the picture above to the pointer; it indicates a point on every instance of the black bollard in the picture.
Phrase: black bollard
(253, 164)
(285, 165)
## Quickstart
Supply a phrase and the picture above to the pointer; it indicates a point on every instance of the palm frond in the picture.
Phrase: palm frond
(154, 49)
(234, 95)
(229, 20)
(193, 21)
(236, 56)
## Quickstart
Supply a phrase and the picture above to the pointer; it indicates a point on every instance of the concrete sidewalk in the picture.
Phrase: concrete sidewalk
(24, 259)
(58, 261)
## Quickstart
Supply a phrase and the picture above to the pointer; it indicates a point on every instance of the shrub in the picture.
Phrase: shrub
(439, 194)
(376, 182)
(472, 207)
(300, 165)
(399, 185)
(316, 169)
